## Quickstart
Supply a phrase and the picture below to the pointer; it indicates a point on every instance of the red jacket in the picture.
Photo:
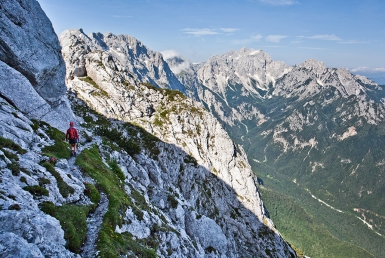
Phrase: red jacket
(72, 134)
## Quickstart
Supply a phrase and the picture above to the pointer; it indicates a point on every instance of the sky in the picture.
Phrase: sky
(340, 33)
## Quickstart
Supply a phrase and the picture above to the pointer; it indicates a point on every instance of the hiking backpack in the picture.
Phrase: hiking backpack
(73, 133)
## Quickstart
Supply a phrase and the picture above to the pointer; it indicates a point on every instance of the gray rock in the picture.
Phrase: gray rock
(11, 245)
(31, 64)
(207, 232)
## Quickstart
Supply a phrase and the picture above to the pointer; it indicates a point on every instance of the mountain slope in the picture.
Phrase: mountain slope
(319, 127)
(212, 156)
(31, 64)
(151, 187)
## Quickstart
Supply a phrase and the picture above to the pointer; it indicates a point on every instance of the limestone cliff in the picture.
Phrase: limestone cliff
(211, 174)
(155, 175)
(32, 68)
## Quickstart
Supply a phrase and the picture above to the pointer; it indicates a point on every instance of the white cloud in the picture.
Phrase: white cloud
(168, 54)
(176, 68)
(200, 32)
(368, 69)
(275, 38)
(185, 66)
(326, 37)
(228, 30)
(252, 39)
(206, 31)
(278, 2)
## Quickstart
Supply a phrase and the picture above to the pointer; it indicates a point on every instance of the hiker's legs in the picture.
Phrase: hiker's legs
(73, 149)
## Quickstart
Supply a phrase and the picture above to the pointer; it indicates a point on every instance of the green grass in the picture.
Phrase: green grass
(99, 91)
(110, 243)
(115, 167)
(60, 149)
(73, 221)
(36, 190)
(64, 189)
(92, 192)
(5, 146)
(304, 231)
(6, 143)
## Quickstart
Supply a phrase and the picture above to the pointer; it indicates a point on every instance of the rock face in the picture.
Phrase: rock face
(127, 58)
(303, 123)
(180, 188)
(26, 231)
(31, 64)
(217, 204)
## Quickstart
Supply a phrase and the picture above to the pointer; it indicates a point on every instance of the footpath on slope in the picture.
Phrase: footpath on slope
(94, 221)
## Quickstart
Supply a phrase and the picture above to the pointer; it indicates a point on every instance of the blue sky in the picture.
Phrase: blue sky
(341, 33)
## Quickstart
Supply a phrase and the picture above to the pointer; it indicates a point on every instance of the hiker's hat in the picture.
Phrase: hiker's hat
(71, 123)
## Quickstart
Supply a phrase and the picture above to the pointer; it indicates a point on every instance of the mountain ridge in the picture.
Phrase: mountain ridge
(155, 175)
(314, 125)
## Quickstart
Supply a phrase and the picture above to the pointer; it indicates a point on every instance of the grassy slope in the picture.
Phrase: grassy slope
(315, 228)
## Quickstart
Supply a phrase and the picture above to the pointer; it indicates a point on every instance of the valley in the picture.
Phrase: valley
(238, 156)
(314, 136)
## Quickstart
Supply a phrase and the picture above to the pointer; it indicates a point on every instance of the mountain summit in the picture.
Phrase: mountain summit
(156, 174)
(319, 127)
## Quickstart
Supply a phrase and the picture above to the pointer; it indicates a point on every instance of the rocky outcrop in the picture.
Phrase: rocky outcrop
(127, 58)
(185, 190)
(197, 162)
(295, 120)
(32, 69)
(26, 231)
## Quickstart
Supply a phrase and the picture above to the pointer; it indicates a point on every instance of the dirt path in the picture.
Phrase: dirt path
(94, 223)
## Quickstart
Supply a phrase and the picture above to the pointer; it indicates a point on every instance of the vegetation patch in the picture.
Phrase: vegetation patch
(173, 95)
(15, 207)
(6, 143)
(73, 221)
(210, 249)
(14, 167)
(44, 181)
(64, 189)
(173, 201)
(114, 135)
(36, 190)
(60, 149)
(158, 122)
(99, 91)
(304, 231)
(92, 192)
(190, 159)
(110, 243)
(150, 86)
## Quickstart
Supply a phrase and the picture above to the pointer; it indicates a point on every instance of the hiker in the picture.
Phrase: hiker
(73, 137)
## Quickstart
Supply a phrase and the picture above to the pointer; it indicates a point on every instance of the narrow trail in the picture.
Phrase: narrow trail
(94, 221)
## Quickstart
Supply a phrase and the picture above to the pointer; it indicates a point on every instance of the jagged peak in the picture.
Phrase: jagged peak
(313, 64)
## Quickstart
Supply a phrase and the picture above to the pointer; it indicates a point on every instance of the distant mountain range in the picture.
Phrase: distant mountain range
(321, 128)
(377, 77)
(309, 127)
(174, 156)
